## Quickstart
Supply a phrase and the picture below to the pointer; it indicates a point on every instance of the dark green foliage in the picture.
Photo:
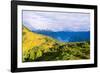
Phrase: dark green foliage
(59, 51)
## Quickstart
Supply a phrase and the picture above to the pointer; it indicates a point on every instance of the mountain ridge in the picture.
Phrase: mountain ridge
(37, 47)
(65, 35)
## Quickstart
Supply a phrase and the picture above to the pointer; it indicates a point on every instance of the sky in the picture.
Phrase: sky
(56, 21)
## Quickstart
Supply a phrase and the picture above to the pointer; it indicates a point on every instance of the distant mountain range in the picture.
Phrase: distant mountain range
(66, 36)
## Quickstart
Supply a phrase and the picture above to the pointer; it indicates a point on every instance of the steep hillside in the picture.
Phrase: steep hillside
(37, 47)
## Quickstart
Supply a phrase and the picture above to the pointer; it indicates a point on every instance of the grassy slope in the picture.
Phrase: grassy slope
(37, 47)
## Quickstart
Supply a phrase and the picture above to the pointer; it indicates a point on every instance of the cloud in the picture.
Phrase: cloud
(56, 21)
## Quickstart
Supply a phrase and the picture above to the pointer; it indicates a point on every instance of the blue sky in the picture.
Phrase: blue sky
(56, 21)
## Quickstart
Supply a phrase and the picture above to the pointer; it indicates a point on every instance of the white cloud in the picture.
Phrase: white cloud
(56, 21)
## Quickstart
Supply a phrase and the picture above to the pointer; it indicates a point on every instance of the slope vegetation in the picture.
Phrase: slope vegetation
(38, 47)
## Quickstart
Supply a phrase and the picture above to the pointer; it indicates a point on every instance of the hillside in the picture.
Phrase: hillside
(37, 47)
